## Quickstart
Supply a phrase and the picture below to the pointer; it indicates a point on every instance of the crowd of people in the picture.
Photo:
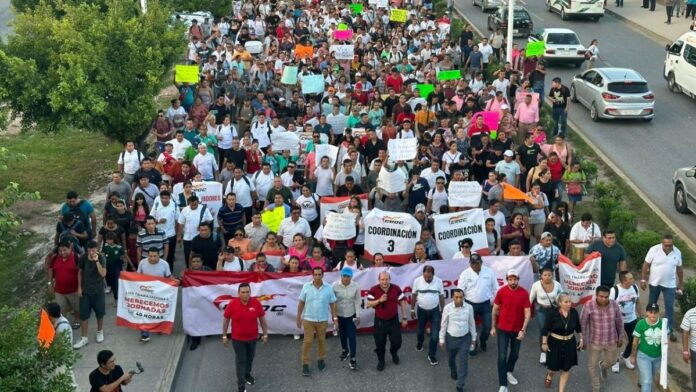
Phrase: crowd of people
(222, 128)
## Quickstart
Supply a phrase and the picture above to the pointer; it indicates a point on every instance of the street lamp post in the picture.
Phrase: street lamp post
(510, 22)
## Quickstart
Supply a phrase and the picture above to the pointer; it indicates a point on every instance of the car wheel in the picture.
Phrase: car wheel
(680, 199)
(596, 18)
(573, 94)
(563, 14)
(594, 113)
(672, 84)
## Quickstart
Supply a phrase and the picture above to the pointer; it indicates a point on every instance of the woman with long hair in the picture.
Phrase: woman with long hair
(140, 210)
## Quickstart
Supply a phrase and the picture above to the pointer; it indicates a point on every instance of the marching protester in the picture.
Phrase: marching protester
(626, 294)
(688, 327)
(648, 339)
(559, 341)
(480, 286)
(386, 298)
(348, 311)
(544, 295)
(427, 301)
(457, 331)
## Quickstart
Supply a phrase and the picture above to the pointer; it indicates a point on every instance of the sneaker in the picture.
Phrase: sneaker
(296, 337)
(395, 359)
(380, 366)
(628, 363)
(672, 337)
(100, 336)
(250, 379)
(75, 325)
(503, 389)
(81, 343)
(419, 347)
(344, 355)
(603, 372)
(472, 350)
(353, 364)
(615, 367)
(511, 379)
(433, 361)
(242, 389)
(305, 370)
(144, 339)
(321, 365)
(542, 358)
(107, 290)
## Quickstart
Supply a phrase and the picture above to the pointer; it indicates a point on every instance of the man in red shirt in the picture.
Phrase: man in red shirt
(62, 280)
(395, 81)
(386, 298)
(245, 313)
(511, 313)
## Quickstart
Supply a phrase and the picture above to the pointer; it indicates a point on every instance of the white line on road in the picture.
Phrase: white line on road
(535, 15)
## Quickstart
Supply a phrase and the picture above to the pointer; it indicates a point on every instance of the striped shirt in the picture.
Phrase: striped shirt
(689, 324)
(231, 219)
(148, 240)
(428, 293)
(602, 326)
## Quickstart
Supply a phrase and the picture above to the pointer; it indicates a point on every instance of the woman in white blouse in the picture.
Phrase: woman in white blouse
(543, 295)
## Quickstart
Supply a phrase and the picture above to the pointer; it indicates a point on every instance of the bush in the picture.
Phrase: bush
(608, 189)
(622, 222)
(687, 300)
(637, 244)
(607, 205)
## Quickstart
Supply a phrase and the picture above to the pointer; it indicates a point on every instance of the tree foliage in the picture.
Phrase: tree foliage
(80, 65)
(216, 7)
(8, 197)
(24, 365)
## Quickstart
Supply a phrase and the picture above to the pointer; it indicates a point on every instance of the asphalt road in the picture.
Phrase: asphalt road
(647, 152)
(277, 367)
(5, 18)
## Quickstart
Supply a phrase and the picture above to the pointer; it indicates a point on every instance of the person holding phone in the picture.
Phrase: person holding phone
(108, 376)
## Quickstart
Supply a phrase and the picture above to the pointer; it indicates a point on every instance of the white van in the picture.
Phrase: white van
(680, 65)
(577, 8)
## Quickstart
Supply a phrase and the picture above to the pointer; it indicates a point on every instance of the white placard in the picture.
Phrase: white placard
(343, 52)
(580, 281)
(339, 226)
(285, 141)
(391, 182)
(402, 149)
(453, 227)
(464, 194)
(393, 234)
(146, 303)
(326, 150)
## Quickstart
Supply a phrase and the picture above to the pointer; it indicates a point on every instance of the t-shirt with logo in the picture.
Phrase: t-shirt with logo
(650, 337)
(627, 300)
(244, 318)
(559, 96)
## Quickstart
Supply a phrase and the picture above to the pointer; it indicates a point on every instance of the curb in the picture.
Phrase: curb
(173, 362)
(637, 26)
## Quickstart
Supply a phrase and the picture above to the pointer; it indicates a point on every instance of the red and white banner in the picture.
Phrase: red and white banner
(580, 281)
(206, 294)
(454, 227)
(338, 204)
(273, 257)
(146, 303)
(209, 194)
(393, 234)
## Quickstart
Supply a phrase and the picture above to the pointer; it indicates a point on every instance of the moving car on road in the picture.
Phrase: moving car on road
(680, 65)
(577, 8)
(561, 46)
(684, 181)
(522, 25)
(613, 93)
(487, 4)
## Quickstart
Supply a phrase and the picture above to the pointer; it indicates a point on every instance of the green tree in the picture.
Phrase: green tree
(89, 69)
(8, 197)
(24, 365)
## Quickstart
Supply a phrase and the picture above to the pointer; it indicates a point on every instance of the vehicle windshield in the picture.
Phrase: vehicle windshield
(520, 14)
(562, 39)
(628, 87)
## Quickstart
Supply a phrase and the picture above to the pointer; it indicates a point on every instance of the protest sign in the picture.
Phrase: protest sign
(453, 227)
(397, 15)
(580, 281)
(312, 84)
(146, 302)
(343, 35)
(342, 26)
(338, 204)
(285, 141)
(449, 75)
(289, 75)
(394, 234)
(305, 138)
(391, 182)
(302, 51)
(358, 132)
(186, 74)
(534, 49)
(339, 226)
(379, 3)
(356, 8)
(491, 119)
(342, 52)
(464, 194)
(326, 150)
(402, 149)
(272, 218)
(425, 89)
(209, 194)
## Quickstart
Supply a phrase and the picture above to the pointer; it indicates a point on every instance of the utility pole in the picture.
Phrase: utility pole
(143, 6)
(510, 23)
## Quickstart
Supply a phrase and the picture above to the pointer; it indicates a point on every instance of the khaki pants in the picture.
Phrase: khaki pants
(522, 130)
(606, 354)
(310, 328)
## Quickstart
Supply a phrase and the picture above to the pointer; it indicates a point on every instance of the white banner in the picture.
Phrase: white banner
(339, 226)
(394, 234)
(326, 150)
(402, 149)
(464, 194)
(379, 3)
(209, 194)
(453, 227)
(338, 204)
(342, 52)
(206, 294)
(285, 141)
(391, 182)
(580, 281)
(146, 303)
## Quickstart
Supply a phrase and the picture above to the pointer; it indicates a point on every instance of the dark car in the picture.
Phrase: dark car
(522, 22)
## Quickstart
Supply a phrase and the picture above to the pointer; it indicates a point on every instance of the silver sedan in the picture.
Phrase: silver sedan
(613, 93)
(684, 181)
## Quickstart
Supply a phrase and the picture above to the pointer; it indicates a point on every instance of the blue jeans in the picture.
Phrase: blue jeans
(346, 332)
(669, 297)
(540, 316)
(458, 347)
(560, 120)
(433, 316)
(648, 367)
(506, 363)
(484, 311)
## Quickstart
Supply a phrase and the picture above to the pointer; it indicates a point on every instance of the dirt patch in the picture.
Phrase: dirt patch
(14, 127)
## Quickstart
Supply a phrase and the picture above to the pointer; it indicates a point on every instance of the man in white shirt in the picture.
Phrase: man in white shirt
(480, 286)
(245, 191)
(510, 168)
(585, 231)
(494, 213)
(292, 225)
(260, 130)
(180, 145)
(664, 264)
(129, 162)
(263, 180)
(166, 214)
(457, 331)
(205, 163)
(688, 327)
(427, 298)
(189, 219)
(432, 173)
(626, 294)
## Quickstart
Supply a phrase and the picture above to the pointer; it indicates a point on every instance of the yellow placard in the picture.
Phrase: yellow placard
(397, 15)
(187, 73)
(272, 218)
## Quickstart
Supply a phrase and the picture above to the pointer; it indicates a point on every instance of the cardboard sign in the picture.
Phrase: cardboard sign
(391, 182)
(580, 281)
(356, 7)
(186, 74)
(342, 26)
(393, 234)
(313, 84)
(402, 149)
(453, 227)
(146, 302)
(302, 51)
(534, 49)
(339, 227)
(343, 52)
(464, 194)
(285, 141)
(379, 3)
(397, 15)
(272, 218)
(289, 75)
(449, 75)
(343, 35)
(492, 119)
(326, 150)
(425, 89)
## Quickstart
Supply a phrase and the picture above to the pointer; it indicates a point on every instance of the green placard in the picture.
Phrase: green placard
(342, 26)
(425, 89)
(534, 49)
(356, 7)
(449, 75)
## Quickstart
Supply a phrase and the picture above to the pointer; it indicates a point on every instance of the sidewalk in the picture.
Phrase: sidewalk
(651, 23)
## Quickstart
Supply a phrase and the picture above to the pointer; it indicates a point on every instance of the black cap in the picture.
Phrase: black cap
(652, 308)
(475, 258)
(228, 249)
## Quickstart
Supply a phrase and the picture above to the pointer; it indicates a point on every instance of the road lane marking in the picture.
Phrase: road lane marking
(535, 15)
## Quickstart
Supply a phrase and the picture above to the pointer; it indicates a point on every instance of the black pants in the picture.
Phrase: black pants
(669, 14)
(248, 212)
(221, 156)
(188, 245)
(652, 5)
(646, 3)
(171, 252)
(244, 357)
(629, 327)
(383, 329)
(691, 10)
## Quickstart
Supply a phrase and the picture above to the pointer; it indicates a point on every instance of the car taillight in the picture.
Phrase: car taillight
(609, 97)
(550, 51)
(649, 97)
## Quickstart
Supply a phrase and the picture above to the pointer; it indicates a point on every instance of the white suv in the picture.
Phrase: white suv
(680, 65)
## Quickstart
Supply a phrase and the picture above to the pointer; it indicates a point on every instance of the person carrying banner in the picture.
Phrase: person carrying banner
(457, 331)
(613, 257)
(647, 346)
(480, 286)
(386, 298)
(246, 314)
(348, 310)
(511, 314)
(154, 266)
(427, 301)
(558, 341)
(688, 327)
(316, 299)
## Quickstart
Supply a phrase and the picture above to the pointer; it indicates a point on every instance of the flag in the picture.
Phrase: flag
(46, 330)
(512, 193)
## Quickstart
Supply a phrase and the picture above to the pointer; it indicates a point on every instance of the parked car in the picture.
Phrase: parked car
(613, 93)
(680, 65)
(522, 23)
(488, 4)
(577, 8)
(561, 46)
(684, 181)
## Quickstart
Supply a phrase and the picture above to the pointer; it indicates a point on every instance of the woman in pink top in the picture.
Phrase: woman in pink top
(562, 149)
(317, 260)
(299, 248)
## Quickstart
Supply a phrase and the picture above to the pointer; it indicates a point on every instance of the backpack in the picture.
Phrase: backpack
(137, 154)
(616, 290)
(80, 216)
(65, 235)
(245, 180)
